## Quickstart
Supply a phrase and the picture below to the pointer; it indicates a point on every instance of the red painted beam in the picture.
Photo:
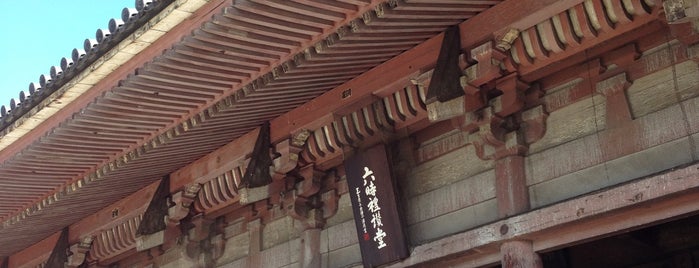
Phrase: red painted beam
(106, 218)
(517, 14)
(36, 254)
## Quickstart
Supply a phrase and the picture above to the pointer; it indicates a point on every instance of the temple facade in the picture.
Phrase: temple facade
(350, 133)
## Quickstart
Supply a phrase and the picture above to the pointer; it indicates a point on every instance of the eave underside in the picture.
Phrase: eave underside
(251, 62)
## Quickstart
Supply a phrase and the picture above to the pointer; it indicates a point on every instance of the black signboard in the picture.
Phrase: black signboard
(379, 227)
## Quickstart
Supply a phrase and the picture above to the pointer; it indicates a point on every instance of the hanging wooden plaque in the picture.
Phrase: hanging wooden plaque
(376, 215)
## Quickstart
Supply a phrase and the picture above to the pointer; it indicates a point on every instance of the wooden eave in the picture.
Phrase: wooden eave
(208, 81)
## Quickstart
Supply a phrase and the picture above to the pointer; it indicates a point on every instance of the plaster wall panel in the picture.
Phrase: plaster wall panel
(661, 89)
(691, 107)
(561, 95)
(572, 122)
(458, 195)
(662, 126)
(444, 170)
(652, 160)
(339, 246)
(338, 236)
(646, 162)
(281, 255)
(278, 231)
(563, 159)
(344, 211)
(241, 263)
(349, 256)
(695, 142)
(180, 262)
(236, 247)
(454, 222)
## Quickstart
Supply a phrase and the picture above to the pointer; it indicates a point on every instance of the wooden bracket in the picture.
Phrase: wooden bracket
(505, 40)
(78, 252)
(681, 11)
(512, 99)
(614, 90)
(288, 151)
(496, 137)
(480, 80)
(489, 66)
(309, 205)
(183, 202)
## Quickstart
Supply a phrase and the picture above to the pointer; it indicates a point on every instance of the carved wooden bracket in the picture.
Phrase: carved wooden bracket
(496, 137)
(481, 80)
(499, 111)
(205, 242)
(681, 11)
(309, 206)
(182, 201)
(288, 151)
(166, 232)
(491, 64)
(78, 252)
(505, 41)
(614, 90)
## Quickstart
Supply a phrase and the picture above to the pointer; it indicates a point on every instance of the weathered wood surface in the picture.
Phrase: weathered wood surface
(633, 205)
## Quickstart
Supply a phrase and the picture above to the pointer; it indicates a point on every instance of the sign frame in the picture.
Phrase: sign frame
(377, 215)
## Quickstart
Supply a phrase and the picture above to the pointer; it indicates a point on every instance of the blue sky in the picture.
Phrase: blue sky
(36, 34)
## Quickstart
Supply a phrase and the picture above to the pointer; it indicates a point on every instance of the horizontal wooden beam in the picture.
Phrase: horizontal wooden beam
(106, 218)
(623, 208)
(515, 14)
(126, 208)
(36, 254)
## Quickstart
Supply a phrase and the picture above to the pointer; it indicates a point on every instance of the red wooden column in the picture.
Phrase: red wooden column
(310, 247)
(512, 198)
(511, 186)
(255, 231)
(519, 254)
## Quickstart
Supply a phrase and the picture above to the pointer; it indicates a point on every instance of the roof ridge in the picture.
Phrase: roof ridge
(81, 58)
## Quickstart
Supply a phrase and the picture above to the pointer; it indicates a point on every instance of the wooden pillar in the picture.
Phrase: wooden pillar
(519, 254)
(255, 231)
(310, 248)
(512, 197)
(511, 190)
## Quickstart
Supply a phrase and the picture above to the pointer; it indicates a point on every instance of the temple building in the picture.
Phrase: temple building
(362, 133)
